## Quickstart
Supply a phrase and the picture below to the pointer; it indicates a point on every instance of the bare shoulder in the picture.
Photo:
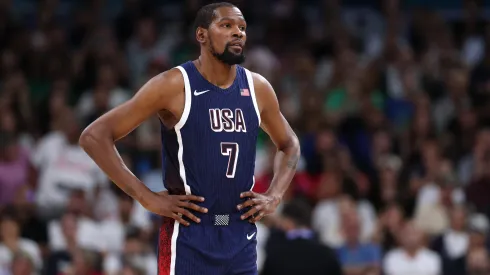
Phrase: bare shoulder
(261, 84)
(266, 96)
(163, 92)
(165, 85)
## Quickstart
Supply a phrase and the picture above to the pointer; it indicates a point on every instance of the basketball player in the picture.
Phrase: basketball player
(210, 110)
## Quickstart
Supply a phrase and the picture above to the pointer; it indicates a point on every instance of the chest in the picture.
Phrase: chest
(223, 112)
(419, 265)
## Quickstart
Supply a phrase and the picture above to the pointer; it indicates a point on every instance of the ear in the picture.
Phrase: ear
(201, 35)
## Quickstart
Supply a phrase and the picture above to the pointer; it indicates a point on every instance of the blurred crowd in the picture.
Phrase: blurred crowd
(391, 103)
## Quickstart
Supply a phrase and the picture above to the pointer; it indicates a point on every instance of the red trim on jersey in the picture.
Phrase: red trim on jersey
(165, 246)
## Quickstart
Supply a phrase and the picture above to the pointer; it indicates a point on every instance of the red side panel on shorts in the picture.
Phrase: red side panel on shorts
(165, 246)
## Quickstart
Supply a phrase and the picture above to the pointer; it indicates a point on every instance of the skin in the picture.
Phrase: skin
(164, 95)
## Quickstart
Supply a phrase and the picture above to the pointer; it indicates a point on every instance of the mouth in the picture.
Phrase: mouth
(236, 45)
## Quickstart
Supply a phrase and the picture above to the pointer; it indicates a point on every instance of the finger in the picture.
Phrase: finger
(192, 206)
(251, 212)
(189, 198)
(247, 194)
(188, 214)
(257, 217)
(248, 203)
(179, 219)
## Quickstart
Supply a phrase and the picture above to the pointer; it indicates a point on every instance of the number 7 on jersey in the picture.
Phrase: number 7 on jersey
(231, 150)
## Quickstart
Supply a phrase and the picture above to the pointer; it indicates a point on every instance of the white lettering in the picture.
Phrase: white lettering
(227, 120)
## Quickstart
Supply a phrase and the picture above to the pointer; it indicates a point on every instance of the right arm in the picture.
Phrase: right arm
(98, 141)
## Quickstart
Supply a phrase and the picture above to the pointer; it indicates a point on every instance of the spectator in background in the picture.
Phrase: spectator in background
(9, 124)
(106, 95)
(478, 262)
(135, 254)
(146, 45)
(295, 250)
(63, 244)
(456, 97)
(439, 192)
(479, 185)
(22, 264)
(84, 262)
(327, 213)
(64, 167)
(388, 172)
(412, 257)
(390, 222)
(12, 243)
(76, 228)
(15, 168)
(24, 210)
(452, 246)
(131, 216)
(357, 257)
(478, 230)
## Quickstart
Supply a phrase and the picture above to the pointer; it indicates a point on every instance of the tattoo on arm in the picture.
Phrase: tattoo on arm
(293, 161)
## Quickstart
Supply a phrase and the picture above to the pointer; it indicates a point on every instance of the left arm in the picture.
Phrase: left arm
(287, 156)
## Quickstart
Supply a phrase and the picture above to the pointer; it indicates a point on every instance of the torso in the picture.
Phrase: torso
(208, 149)
(217, 124)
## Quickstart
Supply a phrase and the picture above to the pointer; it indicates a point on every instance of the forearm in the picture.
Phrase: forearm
(284, 168)
(99, 145)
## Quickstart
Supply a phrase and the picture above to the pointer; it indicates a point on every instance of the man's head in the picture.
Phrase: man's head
(458, 218)
(296, 214)
(68, 123)
(411, 238)
(351, 226)
(22, 264)
(9, 226)
(220, 29)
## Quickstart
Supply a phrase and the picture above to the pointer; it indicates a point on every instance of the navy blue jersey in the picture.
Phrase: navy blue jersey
(211, 153)
(211, 150)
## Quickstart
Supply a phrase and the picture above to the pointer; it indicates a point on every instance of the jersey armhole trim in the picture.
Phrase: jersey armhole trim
(252, 92)
(187, 100)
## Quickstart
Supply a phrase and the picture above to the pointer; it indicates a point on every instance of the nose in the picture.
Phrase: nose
(237, 33)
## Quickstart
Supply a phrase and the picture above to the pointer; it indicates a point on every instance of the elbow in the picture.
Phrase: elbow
(89, 138)
(86, 139)
(296, 145)
(292, 146)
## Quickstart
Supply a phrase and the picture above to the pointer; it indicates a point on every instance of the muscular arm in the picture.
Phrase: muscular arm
(281, 134)
(98, 138)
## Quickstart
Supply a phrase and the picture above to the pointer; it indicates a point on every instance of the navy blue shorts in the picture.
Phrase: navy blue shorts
(219, 245)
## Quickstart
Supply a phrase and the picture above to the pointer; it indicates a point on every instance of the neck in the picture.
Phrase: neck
(412, 251)
(215, 71)
(456, 230)
(352, 243)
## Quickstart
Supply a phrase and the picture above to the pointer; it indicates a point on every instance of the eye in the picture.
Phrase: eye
(226, 25)
(242, 28)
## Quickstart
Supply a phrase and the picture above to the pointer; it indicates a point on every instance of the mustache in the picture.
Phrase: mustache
(236, 42)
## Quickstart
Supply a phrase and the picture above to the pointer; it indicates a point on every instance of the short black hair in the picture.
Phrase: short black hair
(299, 211)
(10, 213)
(206, 14)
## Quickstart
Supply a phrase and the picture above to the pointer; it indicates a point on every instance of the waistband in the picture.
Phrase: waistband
(221, 219)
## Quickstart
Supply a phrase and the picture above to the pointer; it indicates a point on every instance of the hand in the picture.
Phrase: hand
(261, 205)
(174, 206)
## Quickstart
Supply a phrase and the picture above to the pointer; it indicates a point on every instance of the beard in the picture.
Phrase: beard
(227, 56)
